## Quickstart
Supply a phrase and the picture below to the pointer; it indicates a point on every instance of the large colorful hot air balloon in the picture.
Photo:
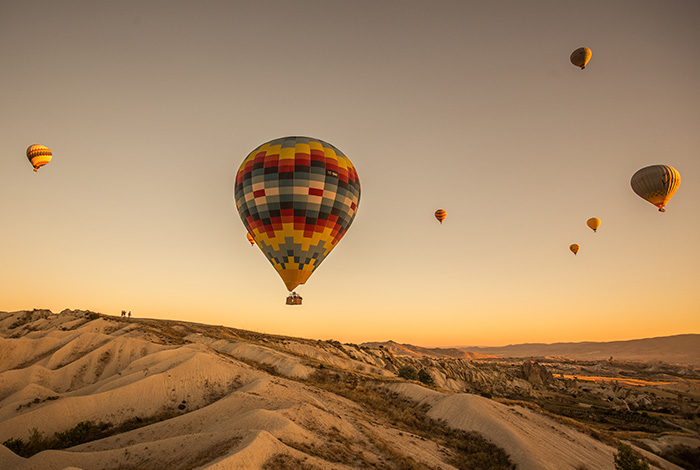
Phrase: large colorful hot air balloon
(574, 248)
(250, 239)
(593, 223)
(657, 184)
(440, 214)
(580, 57)
(296, 196)
(38, 155)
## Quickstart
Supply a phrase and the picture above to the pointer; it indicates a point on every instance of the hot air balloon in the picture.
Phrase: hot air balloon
(593, 223)
(440, 214)
(580, 57)
(297, 197)
(38, 155)
(657, 184)
(250, 239)
(574, 248)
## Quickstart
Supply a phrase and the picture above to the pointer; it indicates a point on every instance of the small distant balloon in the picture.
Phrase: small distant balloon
(38, 155)
(250, 239)
(440, 214)
(574, 248)
(656, 184)
(580, 57)
(593, 223)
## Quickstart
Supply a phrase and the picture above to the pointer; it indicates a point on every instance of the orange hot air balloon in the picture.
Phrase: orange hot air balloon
(574, 248)
(656, 184)
(580, 57)
(38, 155)
(593, 223)
(440, 214)
(250, 239)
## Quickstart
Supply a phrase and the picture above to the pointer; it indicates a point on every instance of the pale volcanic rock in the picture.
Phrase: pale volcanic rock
(208, 397)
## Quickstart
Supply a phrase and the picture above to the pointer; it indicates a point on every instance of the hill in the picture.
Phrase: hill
(84, 390)
(417, 351)
(678, 349)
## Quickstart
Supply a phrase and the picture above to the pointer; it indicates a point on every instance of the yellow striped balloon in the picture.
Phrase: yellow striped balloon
(38, 155)
(440, 214)
(593, 223)
(656, 184)
(574, 248)
(580, 57)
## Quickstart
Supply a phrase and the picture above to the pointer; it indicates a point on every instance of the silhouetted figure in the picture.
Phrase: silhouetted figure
(123, 313)
(129, 313)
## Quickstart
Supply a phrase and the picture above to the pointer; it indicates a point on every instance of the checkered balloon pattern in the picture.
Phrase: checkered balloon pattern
(297, 197)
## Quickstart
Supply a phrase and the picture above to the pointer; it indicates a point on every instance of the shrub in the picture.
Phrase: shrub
(627, 459)
(424, 377)
(36, 443)
(84, 431)
(683, 456)
(408, 372)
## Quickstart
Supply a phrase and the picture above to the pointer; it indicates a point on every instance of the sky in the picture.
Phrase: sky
(472, 107)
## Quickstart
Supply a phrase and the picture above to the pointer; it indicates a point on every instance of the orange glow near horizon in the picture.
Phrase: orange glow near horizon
(436, 110)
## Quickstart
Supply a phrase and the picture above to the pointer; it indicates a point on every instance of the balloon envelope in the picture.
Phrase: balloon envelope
(593, 223)
(297, 197)
(38, 155)
(656, 184)
(581, 56)
(440, 214)
(574, 248)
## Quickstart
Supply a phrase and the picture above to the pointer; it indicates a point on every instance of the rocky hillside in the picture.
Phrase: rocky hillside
(83, 390)
(417, 351)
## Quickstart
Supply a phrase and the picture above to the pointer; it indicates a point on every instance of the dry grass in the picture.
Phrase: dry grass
(469, 450)
(579, 426)
(286, 462)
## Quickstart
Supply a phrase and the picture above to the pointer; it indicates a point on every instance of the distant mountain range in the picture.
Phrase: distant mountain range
(678, 349)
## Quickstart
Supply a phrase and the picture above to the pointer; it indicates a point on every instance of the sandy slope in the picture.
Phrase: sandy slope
(217, 412)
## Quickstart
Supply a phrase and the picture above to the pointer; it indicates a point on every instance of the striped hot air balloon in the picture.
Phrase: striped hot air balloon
(38, 155)
(440, 214)
(656, 184)
(297, 197)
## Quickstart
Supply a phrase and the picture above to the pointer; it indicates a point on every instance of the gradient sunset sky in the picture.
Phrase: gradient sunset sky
(473, 107)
